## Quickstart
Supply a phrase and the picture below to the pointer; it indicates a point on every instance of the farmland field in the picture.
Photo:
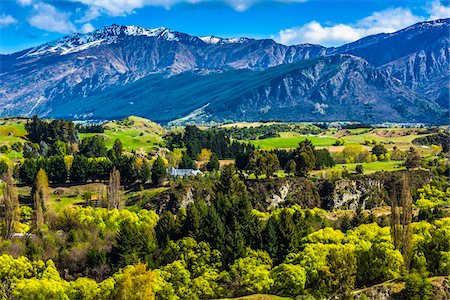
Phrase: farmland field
(291, 140)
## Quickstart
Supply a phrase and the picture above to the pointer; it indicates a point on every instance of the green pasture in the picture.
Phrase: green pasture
(356, 136)
(291, 140)
(392, 165)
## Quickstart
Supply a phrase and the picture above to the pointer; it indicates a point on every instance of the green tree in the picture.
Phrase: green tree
(80, 169)
(289, 280)
(251, 274)
(304, 158)
(187, 162)
(118, 148)
(379, 149)
(323, 159)
(40, 195)
(159, 171)
(213, 163)
(132, 244)
(413, 159)
(417, 287)
(359, 169)
(93, 146)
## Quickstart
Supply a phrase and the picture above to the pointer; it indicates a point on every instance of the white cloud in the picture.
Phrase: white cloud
(386, 21)
(6, 20)
(438, 11)
(86, 28)
(24, 2)
(48, 18)
(123, 7)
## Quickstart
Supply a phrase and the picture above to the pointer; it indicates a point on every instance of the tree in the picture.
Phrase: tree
(304, 158)
(114, 194)
(205, 155)
(256, 163)
(4, 167)
(56, 168)
(10, 204)
(379, 149)
(340, 274)
(272, 164)
(359, 169)
(93, 146)
(40, 194)
(291, 166)
(251, 274)
(145, 172)
(118, 148)
(80, 169)
(135, 282)
(132, 245)
(187, 162)
(159, 171)
(413, 159)
(229, 183)
(323, 159)
(213, 163)
(289, 280)
(417, 287)
(401, 218)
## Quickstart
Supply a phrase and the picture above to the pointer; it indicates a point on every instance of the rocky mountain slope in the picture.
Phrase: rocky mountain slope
(338, 87)
(404, 70)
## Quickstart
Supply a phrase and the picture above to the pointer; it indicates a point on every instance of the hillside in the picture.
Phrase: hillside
(340, 87)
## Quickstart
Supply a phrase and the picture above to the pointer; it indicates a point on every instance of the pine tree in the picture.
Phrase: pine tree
(115, 199)
(40, 193)
(118, 148)
(159, 171)
(271, 244)
(11, 204)
(213, 163)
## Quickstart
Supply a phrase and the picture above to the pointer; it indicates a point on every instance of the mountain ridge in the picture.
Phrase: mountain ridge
(83, 66)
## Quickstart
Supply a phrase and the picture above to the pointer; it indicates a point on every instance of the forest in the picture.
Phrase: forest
(84, 220)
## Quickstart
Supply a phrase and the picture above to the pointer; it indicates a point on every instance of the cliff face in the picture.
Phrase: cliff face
(367, 192)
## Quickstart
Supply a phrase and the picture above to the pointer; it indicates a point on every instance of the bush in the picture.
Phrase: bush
(359, 169)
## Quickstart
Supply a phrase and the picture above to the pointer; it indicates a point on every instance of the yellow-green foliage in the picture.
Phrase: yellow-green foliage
(431, 196)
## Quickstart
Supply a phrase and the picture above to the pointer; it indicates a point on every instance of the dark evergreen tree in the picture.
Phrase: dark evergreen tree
(93, 146)
(304, 158)
(213, 163)
(187, 162)
(159, 171)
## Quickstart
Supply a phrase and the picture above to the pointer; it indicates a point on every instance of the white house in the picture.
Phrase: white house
(184, 172)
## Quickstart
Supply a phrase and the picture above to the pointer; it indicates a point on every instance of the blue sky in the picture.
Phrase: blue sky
(27, 23)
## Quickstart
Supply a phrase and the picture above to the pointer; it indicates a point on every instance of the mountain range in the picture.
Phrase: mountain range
(166, 75)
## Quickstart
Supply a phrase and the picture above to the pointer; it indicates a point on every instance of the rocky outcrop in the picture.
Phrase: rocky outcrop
(366, 191)
(282, 192)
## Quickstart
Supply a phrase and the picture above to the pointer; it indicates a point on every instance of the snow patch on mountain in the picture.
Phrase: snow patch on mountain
(78, 42)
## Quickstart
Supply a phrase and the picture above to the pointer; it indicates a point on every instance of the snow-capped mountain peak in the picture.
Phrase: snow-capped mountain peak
(108, 35)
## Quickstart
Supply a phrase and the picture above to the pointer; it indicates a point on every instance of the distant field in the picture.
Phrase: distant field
(390, 137)
(291, 140)
(259, 297)
(134, 133)
(376, 166)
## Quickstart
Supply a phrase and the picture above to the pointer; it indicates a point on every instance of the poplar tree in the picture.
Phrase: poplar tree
(10, 204)
(113, 191)
(40, 194)
(401, 218)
